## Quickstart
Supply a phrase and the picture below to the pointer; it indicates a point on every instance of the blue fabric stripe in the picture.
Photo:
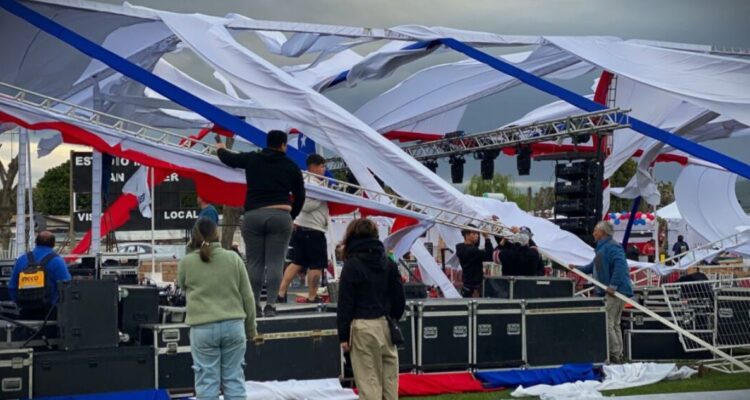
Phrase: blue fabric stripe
(530, 377)
(629, 228)
(125, 67)
(583, 103)
(159, 394)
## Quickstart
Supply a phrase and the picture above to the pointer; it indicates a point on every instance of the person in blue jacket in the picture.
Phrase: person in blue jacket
(55, 271)
(610, 267)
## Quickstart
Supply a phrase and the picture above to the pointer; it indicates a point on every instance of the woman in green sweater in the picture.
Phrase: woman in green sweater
(220, 312)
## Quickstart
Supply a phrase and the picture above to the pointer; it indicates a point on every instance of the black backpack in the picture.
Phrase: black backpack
(34, 283)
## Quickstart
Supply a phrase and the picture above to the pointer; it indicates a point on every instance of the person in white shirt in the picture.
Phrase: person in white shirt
(309, 246)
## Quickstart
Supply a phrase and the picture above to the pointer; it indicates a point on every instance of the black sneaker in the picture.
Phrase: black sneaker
(269, 311)
(316, 300)
(281, 299)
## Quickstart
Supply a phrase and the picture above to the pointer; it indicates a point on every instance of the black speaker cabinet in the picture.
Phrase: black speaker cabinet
(528, 287)
(87, 314)
(138, 305)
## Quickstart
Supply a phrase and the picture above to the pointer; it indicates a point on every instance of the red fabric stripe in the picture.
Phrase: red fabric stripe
(437, 384)
(405, 136)
(208, 187)
(401, 223)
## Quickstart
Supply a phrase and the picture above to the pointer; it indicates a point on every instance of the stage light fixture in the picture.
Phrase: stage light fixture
(431, 164)
(457, 168)
(523, 159)
(487, 166)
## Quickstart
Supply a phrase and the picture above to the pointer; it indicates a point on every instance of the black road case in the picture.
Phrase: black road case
(559, 331)
(299, 347)
(61, 373)
(16, 373)
(733, 317)
(498, 329)
(87, 314)
(444, 335)
(654, 345)
(528, 287)
(172, 360)
(638, 320)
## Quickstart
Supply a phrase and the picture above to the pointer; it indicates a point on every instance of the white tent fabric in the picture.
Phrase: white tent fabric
(616, 377)
(437, 89)
(359, 145)
(314, 389)
(429, 268)
(561, 246)
(321, 75)
(719, 84)
(643, 184)
(647, 104)
(438, 32)
(707, 200)
(128, 41)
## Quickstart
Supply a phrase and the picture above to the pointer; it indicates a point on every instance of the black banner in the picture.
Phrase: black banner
(175, 198)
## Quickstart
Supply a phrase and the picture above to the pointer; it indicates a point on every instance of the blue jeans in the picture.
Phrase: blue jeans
(218, 351)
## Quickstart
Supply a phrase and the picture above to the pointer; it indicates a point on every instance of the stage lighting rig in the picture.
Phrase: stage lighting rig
(457, 168)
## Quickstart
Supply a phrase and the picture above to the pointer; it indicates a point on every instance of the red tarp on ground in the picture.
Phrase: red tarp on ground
(436, 384)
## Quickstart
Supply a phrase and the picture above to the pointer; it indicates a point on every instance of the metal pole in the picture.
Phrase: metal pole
(633, 210)
(665, 321)
(96, 202)
(29, 188)
(21, 195)
(153, 224)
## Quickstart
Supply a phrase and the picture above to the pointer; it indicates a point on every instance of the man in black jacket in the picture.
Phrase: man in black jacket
(471, 257)
(275, 195)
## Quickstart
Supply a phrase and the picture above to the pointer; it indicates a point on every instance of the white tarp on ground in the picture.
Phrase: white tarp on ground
(707, 200)
(616, 377)
(315, 389)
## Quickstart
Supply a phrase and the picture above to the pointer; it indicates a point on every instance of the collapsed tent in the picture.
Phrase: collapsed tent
(284, 101)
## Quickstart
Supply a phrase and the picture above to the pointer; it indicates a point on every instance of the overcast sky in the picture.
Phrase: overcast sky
(717, 22)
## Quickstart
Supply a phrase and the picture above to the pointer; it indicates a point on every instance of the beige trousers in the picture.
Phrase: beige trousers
(614, 307)
(374, 360)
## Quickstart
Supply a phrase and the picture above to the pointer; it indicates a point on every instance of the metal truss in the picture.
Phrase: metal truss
(599, 123)
(161, 137)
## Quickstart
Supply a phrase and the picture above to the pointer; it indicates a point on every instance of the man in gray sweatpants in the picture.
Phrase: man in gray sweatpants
(275, 195)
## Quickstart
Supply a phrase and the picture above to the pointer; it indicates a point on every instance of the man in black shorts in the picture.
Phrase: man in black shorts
(309, 246)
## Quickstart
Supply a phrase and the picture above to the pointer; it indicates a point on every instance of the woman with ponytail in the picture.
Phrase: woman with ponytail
(220, 312)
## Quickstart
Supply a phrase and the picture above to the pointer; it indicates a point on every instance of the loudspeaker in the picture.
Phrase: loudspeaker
(139, 305)
(87, 314)
(575, 207)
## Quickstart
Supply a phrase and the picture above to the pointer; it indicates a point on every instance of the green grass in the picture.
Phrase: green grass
(710, 381)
